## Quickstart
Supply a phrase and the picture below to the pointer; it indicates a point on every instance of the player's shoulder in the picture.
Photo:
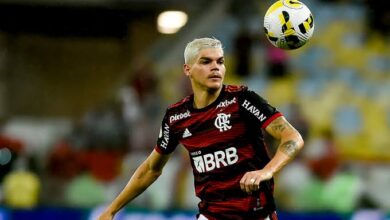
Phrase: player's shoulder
(181, 103)
(235, 88)
(243, 92)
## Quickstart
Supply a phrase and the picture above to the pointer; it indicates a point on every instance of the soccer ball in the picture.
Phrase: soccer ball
(288, 24)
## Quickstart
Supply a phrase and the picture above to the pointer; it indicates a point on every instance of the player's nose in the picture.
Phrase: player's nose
(214, 66)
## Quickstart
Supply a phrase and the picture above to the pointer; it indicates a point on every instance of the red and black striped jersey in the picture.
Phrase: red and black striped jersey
(224, 141)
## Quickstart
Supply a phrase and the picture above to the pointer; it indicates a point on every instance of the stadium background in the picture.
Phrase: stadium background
(84, 84)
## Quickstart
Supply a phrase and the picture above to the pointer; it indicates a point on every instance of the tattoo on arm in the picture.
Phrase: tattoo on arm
(280, 125)
(280, 128)
(290, 148)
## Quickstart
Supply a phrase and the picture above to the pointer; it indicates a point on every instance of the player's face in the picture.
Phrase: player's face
(208, 70)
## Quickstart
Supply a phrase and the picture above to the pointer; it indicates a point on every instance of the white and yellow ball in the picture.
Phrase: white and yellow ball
(288, 24)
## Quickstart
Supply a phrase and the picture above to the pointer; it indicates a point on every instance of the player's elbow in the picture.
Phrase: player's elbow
(296, 137)
(300, 142)
(292, 143)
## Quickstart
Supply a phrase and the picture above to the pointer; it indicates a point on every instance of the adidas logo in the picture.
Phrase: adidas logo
(186, 133)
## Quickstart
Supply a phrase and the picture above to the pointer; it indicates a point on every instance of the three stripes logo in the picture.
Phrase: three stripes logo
(186, 133)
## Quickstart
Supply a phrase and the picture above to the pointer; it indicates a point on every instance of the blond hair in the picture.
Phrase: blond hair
(192, 49)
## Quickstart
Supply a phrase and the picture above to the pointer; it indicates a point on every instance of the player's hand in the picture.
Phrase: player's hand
(250, 182)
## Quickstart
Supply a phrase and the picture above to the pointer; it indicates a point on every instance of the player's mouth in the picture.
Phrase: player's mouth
(215, 76)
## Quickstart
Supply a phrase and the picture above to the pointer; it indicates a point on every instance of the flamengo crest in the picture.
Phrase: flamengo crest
(222, 122)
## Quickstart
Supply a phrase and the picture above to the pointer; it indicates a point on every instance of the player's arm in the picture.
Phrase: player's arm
(290, 143)
(142, 178)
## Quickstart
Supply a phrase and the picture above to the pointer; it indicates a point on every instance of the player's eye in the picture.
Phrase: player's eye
(221, 61)
(204, 61)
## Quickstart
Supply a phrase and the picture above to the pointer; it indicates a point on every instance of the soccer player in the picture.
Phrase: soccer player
(222, 127)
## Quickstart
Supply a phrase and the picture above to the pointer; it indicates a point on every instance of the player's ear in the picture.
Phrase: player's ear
(186, 69)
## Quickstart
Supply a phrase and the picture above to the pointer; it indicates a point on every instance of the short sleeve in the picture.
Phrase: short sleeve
(257, 109)
(166, 141)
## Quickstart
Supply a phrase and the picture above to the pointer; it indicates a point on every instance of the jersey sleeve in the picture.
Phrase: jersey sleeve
(166, 141)
(257, 109)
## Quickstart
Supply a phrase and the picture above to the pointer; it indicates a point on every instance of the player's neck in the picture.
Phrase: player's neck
(204, 98)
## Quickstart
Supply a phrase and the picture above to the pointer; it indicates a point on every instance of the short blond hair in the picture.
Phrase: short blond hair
(192, 49)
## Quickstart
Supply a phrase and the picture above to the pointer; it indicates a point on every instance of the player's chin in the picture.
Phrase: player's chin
(214, 84)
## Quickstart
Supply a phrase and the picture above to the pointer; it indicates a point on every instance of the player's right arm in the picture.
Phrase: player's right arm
(142, 178)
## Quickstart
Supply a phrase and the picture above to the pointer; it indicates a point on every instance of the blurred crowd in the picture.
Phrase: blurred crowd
(334, 91)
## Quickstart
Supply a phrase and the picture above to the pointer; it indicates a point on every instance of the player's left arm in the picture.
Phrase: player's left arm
(290, 143)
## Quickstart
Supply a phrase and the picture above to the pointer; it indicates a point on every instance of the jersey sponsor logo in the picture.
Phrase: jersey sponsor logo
(179, 116)
(186, 133)
(226, 103)
(252, 109)
(215, 160)
(222, 122)
(164, 135)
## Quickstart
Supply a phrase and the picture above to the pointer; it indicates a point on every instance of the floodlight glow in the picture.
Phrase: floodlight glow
(170, 22)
